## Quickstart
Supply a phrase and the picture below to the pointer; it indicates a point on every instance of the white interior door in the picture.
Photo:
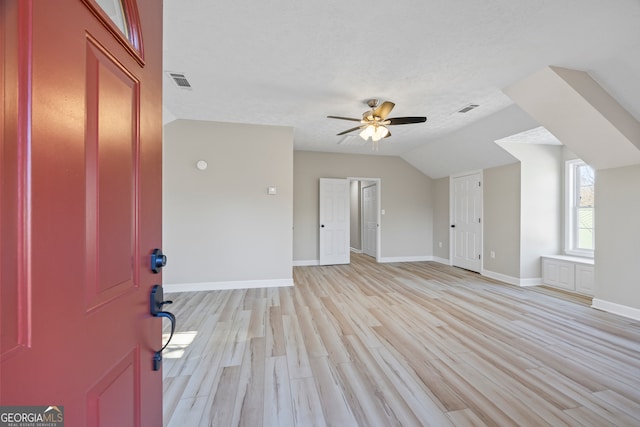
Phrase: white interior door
(369, 219)
(466, 224)
(334, 221)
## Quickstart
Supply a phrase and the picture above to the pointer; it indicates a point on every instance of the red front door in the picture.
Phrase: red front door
(80, 193)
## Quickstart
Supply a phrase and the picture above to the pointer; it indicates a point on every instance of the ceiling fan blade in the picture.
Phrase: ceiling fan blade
(349, 130)
(344, 118)
(406, 120)
(388, 134)
(384, 109)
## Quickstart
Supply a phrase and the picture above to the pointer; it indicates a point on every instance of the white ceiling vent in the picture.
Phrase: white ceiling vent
(468, 108)
(180, 80)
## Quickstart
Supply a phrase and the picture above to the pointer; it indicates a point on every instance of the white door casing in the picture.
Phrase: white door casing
(334, 221)
(369, 219)
(466, 221)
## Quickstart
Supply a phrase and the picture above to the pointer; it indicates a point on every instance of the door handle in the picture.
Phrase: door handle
(158, 260)
(453, 226)
(156, 302)
(322, 226)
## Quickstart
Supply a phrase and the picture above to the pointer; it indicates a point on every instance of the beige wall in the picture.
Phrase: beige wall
(541, 220)
(406, 197)
(441, 220)
(220, 224)
(501, 232)
(617, 270)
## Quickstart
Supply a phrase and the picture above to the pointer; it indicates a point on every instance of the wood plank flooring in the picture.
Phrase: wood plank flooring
(411, 344)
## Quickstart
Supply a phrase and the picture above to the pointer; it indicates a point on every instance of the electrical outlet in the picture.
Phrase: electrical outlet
(493, 254)
(439, 244)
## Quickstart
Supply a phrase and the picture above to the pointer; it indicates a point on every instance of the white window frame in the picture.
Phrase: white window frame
(570, 211)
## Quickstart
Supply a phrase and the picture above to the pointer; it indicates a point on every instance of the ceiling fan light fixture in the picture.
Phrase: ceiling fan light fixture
(368, 132)
(374, 122)
(374, 131)
(380, 133)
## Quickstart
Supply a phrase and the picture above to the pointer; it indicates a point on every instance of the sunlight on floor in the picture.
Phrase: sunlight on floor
(178, 344)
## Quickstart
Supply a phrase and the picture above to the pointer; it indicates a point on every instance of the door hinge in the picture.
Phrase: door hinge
(479, 184)
(479, 256)
(479, 221)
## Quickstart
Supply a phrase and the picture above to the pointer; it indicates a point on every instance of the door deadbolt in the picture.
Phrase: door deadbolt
(158, 260)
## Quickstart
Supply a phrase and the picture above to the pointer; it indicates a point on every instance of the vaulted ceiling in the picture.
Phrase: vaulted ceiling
(292, 63)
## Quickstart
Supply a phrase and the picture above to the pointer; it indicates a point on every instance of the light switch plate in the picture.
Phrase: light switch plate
(272, 190)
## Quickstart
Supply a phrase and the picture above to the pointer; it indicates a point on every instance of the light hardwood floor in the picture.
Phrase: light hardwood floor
(398, 344)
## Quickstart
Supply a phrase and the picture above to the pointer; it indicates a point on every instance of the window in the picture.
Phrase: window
(115, 10)
(121, 18)
(579, 213)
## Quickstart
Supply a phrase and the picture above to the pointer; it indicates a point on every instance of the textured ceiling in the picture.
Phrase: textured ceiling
(292, 63)
(537, 135)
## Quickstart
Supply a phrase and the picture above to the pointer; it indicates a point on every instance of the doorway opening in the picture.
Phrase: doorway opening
(364, 208)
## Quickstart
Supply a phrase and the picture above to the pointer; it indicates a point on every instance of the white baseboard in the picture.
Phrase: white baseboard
(220, 286)
(405, 259)
(615, 308)
(358, 251)
(306, 262)
(444, 261)
(536, 281)
(311, 262)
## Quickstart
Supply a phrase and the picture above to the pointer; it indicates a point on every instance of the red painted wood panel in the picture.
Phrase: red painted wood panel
(81, 211)
(14, 185)
(111, 168)
(112, 401)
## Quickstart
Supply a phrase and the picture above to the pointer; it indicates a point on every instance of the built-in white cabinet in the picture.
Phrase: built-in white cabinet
(584, 279)
(573, 274)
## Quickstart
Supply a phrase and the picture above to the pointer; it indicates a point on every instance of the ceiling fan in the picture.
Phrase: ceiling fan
(374, 122)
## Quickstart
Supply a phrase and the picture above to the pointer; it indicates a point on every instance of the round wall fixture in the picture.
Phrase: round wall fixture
(201, 164)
